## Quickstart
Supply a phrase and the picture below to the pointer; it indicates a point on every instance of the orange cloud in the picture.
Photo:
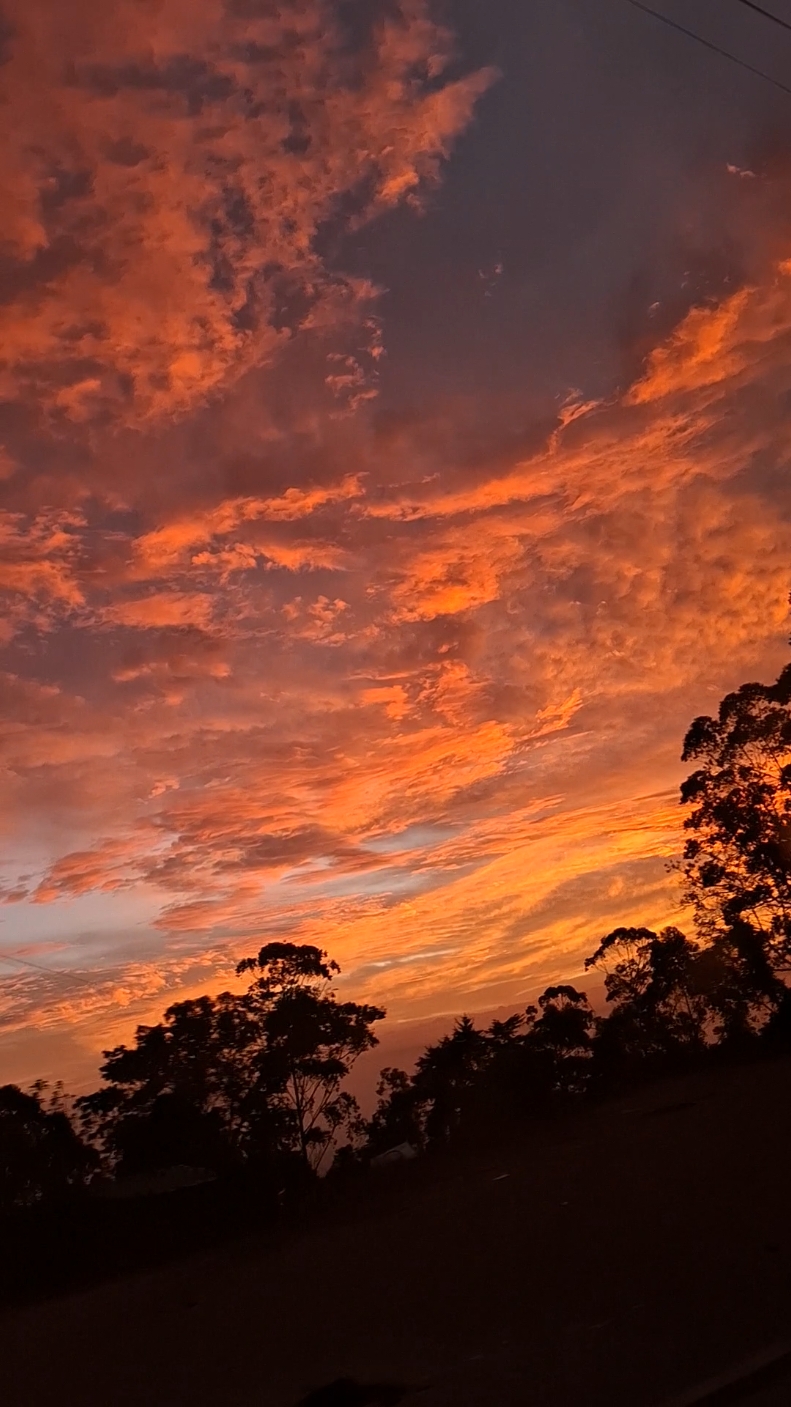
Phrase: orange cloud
(166, 547)
(164, 609)
(104, 868)
(460, 572)
(165, 169)
(39, 569)
(278, 670)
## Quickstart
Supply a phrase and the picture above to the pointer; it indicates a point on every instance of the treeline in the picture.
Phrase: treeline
(240, 1083)
(252, 1084)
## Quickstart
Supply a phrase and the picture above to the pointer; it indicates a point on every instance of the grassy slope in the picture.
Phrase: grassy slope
(631, 1250)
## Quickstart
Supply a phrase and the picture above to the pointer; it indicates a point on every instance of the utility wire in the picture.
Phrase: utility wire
(707, 44)
(767, 14)
(50, 971)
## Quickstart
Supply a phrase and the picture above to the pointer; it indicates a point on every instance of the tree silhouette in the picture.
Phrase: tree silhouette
(470, 1079)
(183, 1092)
(517, 1079)
(41, 1155)
(563, 1036)
(742, 993)
(737, 858)
(238, 1079)
(308, 1043)
(446, 1075)
(400, 1114)
(656, 992)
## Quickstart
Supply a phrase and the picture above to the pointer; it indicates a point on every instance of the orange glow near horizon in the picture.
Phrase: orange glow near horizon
(276, 664)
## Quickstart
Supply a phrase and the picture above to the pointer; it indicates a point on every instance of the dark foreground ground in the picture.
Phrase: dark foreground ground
(615, 1260)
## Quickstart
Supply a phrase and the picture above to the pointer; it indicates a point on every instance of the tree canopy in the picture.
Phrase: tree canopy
(239, 1078)
(308, 1042)
(41, 1155)
(737, 857)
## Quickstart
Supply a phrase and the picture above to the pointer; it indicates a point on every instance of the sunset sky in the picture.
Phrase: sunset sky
(395, 419)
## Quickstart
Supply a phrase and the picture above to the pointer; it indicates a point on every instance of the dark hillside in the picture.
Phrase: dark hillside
(616, 1257)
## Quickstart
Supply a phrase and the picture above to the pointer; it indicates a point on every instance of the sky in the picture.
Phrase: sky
(394, 442)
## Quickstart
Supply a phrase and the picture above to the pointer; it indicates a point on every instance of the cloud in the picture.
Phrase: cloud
(459, 572)
(355, 679)
(175, 542)
(81, 872)
(166, 170)
(164, 609)
(39, 574)
(498, 639)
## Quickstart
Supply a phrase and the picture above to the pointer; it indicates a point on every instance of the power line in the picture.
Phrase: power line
(50, 971)
(707, 44)
(767, 14)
